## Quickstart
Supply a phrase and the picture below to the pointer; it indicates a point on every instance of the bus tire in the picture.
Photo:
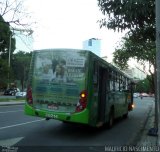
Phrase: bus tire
(65, 122)
(125, 116)
(111, 119)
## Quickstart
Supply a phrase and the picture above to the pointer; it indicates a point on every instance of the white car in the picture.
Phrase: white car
(135, 95)
(20, 94)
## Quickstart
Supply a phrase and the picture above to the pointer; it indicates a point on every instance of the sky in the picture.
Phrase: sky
(67, 23)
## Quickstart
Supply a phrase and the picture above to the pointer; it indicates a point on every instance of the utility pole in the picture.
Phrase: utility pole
(156, 131)
(9, 56)
(158, 61)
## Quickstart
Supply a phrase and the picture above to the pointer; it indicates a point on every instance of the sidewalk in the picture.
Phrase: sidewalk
(145, 139)
(12, 103)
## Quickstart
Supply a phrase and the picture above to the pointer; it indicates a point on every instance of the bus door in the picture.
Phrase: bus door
(102, 93)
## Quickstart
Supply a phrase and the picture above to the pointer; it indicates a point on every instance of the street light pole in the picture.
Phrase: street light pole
(9, 54)
(9, 57)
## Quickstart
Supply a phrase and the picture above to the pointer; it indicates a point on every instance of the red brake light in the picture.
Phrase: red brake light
(81, 105)
(29, 95)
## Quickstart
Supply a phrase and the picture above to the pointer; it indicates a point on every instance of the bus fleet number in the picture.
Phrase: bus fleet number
(49, 115)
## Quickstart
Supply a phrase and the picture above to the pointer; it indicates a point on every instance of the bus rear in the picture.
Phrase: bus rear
(57, 85)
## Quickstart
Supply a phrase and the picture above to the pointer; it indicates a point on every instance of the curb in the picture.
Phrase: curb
(11, 103)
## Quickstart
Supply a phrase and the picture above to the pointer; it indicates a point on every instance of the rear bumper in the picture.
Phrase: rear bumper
(80, 117)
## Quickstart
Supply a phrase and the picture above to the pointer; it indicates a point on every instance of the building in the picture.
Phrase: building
(135, 73)
(93, 45)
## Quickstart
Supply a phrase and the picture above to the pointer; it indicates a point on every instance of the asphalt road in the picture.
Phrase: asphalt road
(23, 132)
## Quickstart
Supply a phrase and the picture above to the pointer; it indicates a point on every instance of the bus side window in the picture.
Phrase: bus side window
(112, 86)
(116, 80)
(95, 73)
(129, 86)
(126, 84)
(111, 80)
(121, 85)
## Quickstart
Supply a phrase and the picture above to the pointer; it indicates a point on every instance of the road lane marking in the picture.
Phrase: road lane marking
(11, 111)
(10, 142)
(21, 124)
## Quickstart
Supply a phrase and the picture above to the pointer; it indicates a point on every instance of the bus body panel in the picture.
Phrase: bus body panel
(81, 117)
(57, 78)
(117, 99)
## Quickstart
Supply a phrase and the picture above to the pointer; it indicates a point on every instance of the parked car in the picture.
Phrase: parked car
(21, 94)
(144, 95)
(136, 95)
(11, 91)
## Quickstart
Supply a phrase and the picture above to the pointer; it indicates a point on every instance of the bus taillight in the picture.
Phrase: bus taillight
(81, 105)
(133, 106)
(29, 95)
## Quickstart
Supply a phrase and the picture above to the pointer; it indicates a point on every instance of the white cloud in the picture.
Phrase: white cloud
(66, 24)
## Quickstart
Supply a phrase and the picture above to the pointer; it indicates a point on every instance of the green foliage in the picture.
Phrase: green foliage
(132, 48)
(5, 34)
(127, 14)
(3, 73)
(142, 52)
(12, 13)
(143, 86)
(137, 16)
(20, 65)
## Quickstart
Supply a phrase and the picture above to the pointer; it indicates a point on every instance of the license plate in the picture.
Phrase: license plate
(53, 107)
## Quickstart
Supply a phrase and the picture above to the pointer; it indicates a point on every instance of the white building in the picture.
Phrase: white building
(93, 45)
(135, 73)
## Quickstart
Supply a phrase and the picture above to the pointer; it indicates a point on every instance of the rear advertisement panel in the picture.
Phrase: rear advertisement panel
(58, 78)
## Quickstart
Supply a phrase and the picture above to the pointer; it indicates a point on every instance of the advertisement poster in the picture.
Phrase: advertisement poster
(58, 78)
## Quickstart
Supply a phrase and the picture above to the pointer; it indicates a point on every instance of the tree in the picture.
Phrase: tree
(127, 14)
(20, 64)
(143, 86)
(144, 53)
(6, 39)
(12, 15)
(14, 12)
(3, 73)
(137, 16)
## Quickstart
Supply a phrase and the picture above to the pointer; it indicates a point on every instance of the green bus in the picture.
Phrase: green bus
(77, 86)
